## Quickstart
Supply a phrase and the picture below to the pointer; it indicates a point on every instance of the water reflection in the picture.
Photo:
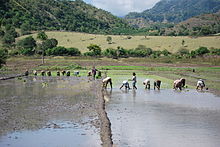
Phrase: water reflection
(30, 103)
(165, 118)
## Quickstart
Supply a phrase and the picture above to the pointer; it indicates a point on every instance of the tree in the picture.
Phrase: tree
(201, 51)
(95, 49)
(47, 44)
(8, 39)
(42, 36)
(109, 39)
(165, 52)
(3, 56)
(110, 52)
(121, 52)
(25, 28)
(2, 33)
(27, 42)
(183, 52)
(27, 45)
(73, 51)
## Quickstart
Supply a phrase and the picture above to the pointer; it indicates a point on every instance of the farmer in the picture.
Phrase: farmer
(43, 73)
(178, 84)
(26, 73)
(63, 72)
(157, 84)
(134, 79)
(147, 83)
(200, 84)
(89, 74)
(58, 73)
(68, 73)
(126, 84)
(49, 73)
(106, 81)
(35, 72)
(94, 72)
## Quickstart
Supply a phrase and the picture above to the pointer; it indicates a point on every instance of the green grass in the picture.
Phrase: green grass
(82, 40)
(211, 69)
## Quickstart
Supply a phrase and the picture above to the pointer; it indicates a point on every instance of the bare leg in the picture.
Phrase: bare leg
(121, 86)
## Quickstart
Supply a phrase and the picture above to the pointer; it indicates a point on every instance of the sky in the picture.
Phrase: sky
(122, 7)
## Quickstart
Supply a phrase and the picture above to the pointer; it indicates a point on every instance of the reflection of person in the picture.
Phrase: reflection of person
(94, 72)
(134, 79)
(107, 81)
(157, 84)
(147, 83)
(107, 95)
(200, 84)
(126, 84)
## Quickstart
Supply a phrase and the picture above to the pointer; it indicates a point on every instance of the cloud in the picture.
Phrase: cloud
(123, 7)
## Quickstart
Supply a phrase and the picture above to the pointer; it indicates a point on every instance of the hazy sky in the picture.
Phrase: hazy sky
(123, 7)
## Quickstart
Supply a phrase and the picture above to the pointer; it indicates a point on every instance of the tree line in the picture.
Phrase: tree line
(45, 46)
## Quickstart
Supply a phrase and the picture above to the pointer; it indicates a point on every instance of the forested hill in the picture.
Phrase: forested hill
(176, 10)
(59, 15)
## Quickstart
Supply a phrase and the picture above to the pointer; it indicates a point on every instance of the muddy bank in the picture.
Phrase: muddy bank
(105, 128)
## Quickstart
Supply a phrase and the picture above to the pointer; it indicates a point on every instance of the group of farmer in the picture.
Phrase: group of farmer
(177, 84)
(58, 73)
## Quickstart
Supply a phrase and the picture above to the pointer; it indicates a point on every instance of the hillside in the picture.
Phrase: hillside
(175, 11)
(61, 15)
(82, 40)
(205, 24)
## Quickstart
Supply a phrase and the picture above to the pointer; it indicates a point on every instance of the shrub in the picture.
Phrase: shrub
(110, 52)
(57, 51)
(94, 49)
(26, 43)
(3, 56)
(201, 51)
(165, 52)
(183, 52)
(192, 54)
(215, 51)
(62, 51)
(140, 51)
(14, 52)
(73, 51)
(121, 52)
(156, 54)
(27, 51)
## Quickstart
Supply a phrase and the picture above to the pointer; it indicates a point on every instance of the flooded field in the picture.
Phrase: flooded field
(164, 118)
(48, 111)
(63, 111)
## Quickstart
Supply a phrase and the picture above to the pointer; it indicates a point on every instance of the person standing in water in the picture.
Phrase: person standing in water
(134, 79)
(94, 72)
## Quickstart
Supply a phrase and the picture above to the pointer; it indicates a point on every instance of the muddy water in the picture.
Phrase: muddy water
(48, 111)
(164, 118)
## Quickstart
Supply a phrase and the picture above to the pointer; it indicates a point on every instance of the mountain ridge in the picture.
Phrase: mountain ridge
(176, 10)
